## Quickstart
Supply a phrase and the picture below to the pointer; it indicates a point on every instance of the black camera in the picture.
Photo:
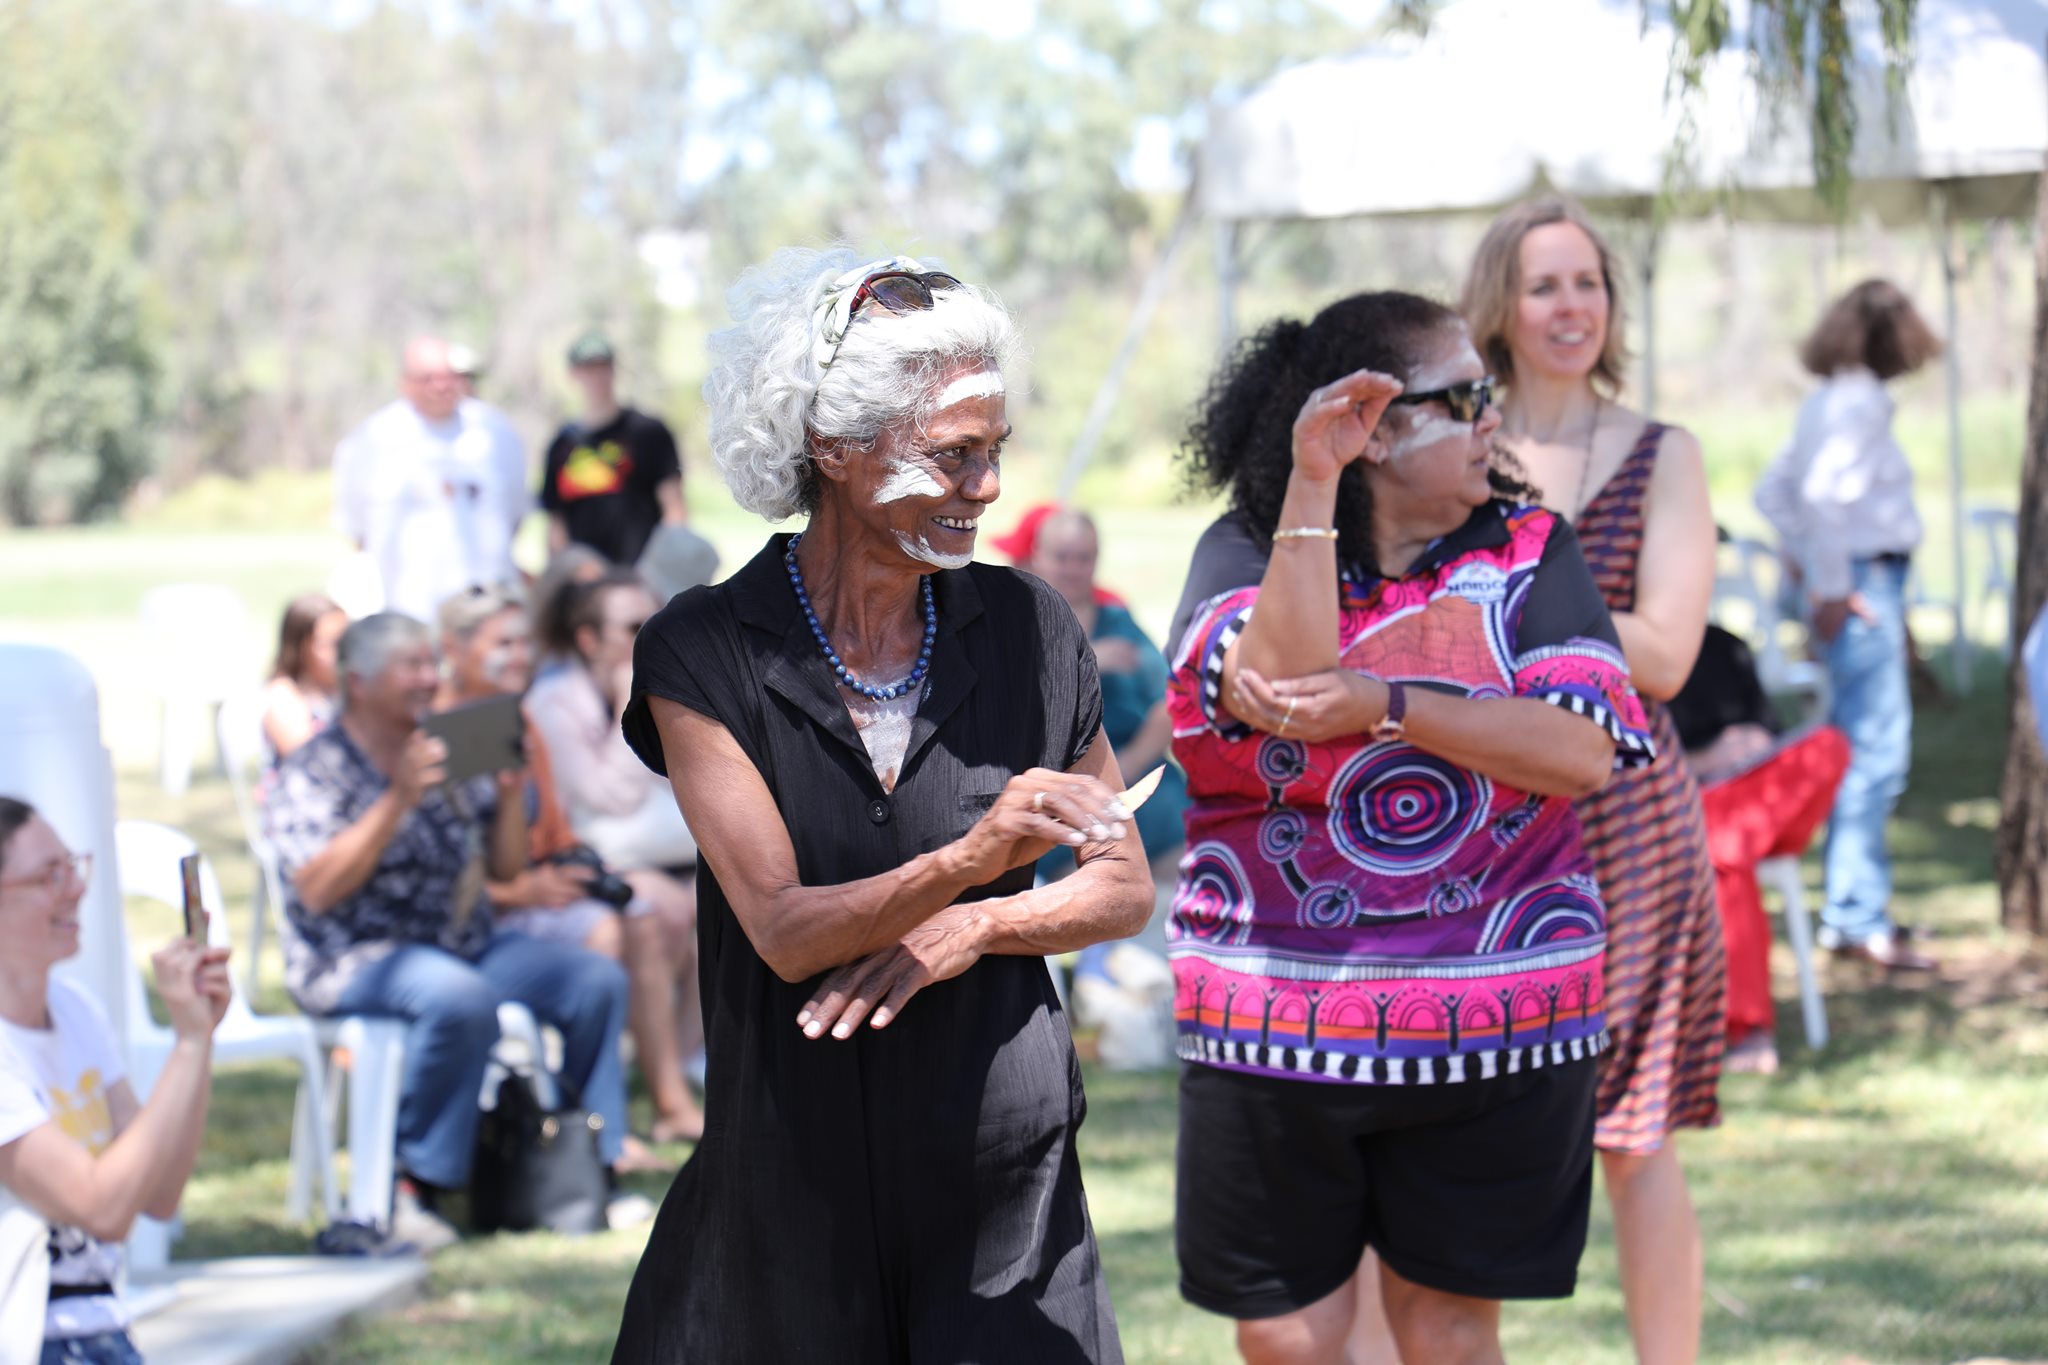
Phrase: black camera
(603, 883)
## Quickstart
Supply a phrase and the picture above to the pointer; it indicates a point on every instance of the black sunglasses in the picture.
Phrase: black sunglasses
(1467, 401)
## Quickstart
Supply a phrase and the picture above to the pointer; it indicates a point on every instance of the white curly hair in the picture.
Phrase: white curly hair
(766, 391)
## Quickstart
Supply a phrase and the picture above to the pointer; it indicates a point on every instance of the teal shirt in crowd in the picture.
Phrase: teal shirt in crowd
(1127, 698)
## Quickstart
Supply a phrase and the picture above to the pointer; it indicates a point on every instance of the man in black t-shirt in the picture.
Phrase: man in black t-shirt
(614, 476)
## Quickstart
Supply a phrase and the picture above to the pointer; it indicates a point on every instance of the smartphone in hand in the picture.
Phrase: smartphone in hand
(195, 904)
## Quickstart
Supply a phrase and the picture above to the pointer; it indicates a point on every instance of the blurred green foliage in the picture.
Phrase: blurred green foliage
(78, 364)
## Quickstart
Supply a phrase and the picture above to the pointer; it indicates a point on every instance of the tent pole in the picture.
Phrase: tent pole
(1952, 365)
(1226, 284)
(1112, 383)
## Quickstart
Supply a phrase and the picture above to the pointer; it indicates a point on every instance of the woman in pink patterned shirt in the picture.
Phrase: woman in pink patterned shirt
(1391, 679)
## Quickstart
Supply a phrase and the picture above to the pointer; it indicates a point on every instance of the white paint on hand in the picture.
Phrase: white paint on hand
(919, 548)
(908, 479)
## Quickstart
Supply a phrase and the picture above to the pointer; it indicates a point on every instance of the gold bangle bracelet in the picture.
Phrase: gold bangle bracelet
(1306, 533)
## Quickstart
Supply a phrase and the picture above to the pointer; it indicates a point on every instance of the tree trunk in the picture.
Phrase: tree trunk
(2023, 800)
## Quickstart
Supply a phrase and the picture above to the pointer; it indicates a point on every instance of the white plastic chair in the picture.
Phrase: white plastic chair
(148, 855)
(376, 1077)
(238, 730)
(1783, 876)
(198, 642)
(375, 1048)
(1751, 573)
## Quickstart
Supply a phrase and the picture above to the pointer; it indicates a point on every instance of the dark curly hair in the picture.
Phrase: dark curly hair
(1241, 441)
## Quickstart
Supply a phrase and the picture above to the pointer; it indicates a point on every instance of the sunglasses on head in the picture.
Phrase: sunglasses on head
(1467, 401)
(898, 290)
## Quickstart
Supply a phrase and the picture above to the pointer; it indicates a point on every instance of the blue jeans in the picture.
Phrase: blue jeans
(105, 1348)
(1873, 706)
(451, 1010)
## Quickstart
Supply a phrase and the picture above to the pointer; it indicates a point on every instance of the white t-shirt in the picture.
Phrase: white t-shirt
(66, 1073)
(434, 503)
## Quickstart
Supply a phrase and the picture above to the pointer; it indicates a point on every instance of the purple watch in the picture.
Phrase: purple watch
(1391, 726)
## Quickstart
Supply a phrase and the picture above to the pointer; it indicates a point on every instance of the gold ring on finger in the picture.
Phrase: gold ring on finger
(1038, 803)
(1288, 719)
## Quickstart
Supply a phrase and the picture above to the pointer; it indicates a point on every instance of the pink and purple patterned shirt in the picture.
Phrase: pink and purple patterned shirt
(1367, 912)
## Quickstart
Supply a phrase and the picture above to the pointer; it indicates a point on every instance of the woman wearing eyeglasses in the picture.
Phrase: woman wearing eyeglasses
(1542, 305)
(874, 739)
(1391, 679)
(80, 1156)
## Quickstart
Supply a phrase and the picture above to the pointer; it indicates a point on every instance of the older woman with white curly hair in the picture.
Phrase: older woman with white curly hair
(874, 738)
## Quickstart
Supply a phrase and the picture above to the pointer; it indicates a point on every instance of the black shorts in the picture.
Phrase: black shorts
(1479, 1188)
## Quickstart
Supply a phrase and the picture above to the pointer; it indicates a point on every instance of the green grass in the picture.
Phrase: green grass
(1886, 1201)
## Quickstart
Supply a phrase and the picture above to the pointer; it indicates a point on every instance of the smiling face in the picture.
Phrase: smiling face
(1432, 458)
(924, 490)
(39, 901)
(401, 694)
(497, 658)
(1561, 307)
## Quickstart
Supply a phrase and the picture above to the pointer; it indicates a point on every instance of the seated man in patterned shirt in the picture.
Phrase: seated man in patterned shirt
(384, 864)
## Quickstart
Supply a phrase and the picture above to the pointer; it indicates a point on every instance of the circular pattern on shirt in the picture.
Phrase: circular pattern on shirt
(1550, 913)
(1282, 762)
(1212, 904)
(1330, 905)
(1400, 812)
(1281, 835)
(1453, 897)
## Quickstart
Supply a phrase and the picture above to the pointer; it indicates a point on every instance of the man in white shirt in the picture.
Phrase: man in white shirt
(432, 486)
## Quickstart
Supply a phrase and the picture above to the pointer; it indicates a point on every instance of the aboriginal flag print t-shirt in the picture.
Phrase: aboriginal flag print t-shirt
(601, 482)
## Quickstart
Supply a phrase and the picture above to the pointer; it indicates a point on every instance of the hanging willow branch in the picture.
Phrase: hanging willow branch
(1804, 55)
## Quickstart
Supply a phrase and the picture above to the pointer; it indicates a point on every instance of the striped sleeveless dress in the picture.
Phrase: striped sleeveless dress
(1666, 967)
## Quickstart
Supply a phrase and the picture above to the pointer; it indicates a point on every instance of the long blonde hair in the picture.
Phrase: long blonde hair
(1494, 283)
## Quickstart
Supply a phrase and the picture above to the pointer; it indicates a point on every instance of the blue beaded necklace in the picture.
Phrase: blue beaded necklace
(846, 679)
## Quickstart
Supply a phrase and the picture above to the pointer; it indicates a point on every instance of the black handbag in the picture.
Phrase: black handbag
(535, 1167)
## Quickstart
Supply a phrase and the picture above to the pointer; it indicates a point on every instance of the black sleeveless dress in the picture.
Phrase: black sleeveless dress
(912, 1194)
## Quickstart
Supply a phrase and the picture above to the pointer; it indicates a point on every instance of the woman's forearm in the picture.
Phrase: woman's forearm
(1293, 629)
(339, 870)
(187, 1122)
(1107, 897)
(508, 838)
(143, 1170)
(1524, 743)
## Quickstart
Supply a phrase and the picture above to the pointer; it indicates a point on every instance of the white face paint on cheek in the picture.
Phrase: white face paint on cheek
(1429, 430)
(980, 384)
(496, 665)
(908, 479)
(919, 548)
